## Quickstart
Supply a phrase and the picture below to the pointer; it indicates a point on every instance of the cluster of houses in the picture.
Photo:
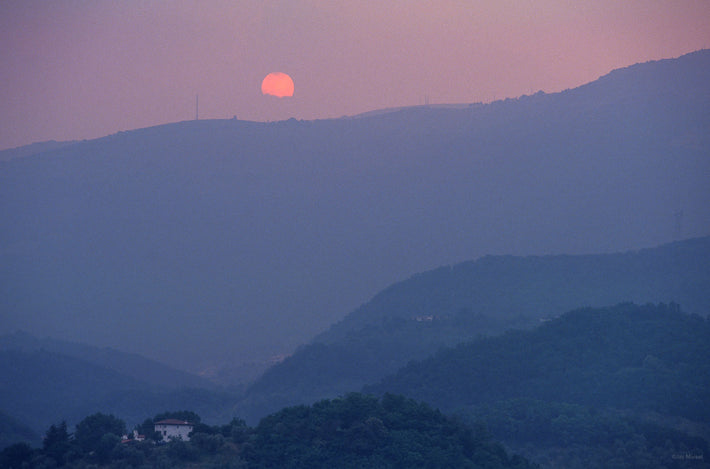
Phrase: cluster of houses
(168, 429)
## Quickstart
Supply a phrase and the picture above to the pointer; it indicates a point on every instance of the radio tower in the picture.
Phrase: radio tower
(197, 107)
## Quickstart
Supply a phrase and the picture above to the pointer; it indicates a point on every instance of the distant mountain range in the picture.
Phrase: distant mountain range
(131, 365)
(212, 243)
(46, 381)
(414, 318)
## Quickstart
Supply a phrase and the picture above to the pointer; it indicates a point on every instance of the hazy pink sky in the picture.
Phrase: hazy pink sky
(76, 69)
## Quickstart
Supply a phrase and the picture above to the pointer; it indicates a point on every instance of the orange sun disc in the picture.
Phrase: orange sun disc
(277, 84)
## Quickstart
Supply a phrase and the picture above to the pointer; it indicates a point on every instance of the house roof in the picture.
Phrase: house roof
(173, 422)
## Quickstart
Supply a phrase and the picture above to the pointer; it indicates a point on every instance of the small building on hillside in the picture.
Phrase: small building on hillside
(172, 428)
(132, 438)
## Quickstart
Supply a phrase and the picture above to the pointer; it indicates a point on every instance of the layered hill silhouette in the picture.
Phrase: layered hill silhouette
(626, 385)
(443, 307)
(209, 242)
(651, 357)
(135, 366)
(46, 381)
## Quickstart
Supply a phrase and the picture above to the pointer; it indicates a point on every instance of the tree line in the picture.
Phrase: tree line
(353, 431)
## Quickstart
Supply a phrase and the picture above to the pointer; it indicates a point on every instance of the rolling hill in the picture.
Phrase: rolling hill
(414, 318)
(628, 357)
(131, 365)
(46, 381)
(206, 243)
(624, 385)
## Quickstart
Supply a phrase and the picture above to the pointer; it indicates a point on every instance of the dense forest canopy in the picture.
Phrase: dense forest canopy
(650, 357)
(355, 431)
(593, 388)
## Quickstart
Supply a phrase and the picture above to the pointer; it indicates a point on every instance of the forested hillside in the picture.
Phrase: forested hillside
(207, 242)
(355, 431)
(637, 357)
(443, 307)
(623, 386)
(359, 431)
(638, 372)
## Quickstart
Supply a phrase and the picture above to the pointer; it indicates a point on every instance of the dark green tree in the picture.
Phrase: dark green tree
(91, 430)
(106, 446)
(56, 444)
(362, 431)
(147, 429)
(16, 456)
(180, 451)
(237, 430)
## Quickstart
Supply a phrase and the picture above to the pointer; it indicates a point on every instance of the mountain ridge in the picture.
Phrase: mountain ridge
(414, 318)
(620, 342)
(699, 247)
(42, 387)
(129, 364)
(190, 243)
(667, 65)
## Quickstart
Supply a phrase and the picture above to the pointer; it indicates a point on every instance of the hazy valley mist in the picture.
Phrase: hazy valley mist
(207, 241)
(538, 266)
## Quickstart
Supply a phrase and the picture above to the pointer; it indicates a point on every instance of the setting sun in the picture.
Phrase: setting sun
(277, 84)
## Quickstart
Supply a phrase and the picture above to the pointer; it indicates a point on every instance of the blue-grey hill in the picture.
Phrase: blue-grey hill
(414, 318)
(210, 242)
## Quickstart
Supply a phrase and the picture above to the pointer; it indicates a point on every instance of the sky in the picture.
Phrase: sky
(81, 69)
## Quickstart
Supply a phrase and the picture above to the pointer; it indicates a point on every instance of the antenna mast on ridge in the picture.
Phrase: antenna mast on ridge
(197, 107)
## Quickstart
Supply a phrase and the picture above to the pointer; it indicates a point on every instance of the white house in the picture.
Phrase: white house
(172, 428)
(136, 437)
